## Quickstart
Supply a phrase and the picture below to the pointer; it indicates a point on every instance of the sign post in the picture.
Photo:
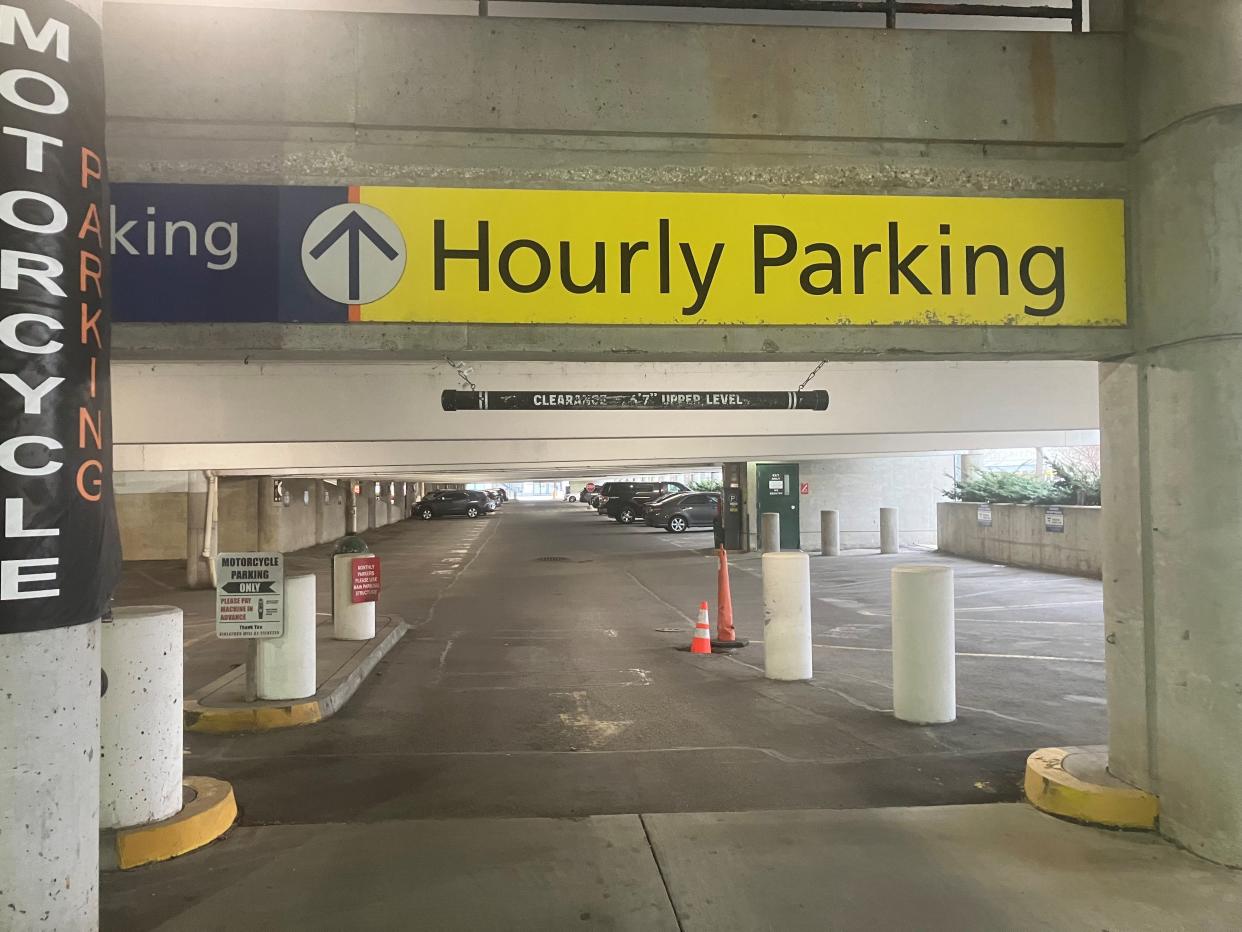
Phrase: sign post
(250, 603)
(250, 595)
(364, 579)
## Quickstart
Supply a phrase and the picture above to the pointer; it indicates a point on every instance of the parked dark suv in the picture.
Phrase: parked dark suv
(448, 502)
(624, 501)
(679, 513)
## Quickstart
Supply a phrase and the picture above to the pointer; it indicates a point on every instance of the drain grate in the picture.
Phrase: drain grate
(551, 559)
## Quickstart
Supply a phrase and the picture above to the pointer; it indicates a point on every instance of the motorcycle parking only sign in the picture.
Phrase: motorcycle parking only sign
(250, 595)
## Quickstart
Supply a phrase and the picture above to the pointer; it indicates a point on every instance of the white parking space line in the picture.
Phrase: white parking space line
(858, 703)
(970, 708)
(888, 650)
(1010, 608)
(1003, 621)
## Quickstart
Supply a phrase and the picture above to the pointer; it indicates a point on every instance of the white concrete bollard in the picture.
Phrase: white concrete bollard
(770, 532)
(830, 533)
(890, 537)
(285, 666)
(924, 684)
(787, 615)
(350, 621)
(140, 726)
(49, 778)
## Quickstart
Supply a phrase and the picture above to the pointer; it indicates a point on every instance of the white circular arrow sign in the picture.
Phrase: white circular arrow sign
(353, 253)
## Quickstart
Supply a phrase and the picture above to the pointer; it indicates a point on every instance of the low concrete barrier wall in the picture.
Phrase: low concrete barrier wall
(1023, 535)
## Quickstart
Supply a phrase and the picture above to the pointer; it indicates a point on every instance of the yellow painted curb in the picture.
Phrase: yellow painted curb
(201, 821)
(212, 720)
(1052, 789)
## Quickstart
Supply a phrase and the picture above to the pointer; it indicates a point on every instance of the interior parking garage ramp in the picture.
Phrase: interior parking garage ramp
(541, 726)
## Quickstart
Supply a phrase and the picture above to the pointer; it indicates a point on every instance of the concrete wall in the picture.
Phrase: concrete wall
(151, 515)
(1018, 537)
(312, 518)
(860, 487)
(239, 516)
(291, 524)
(656, 106)
(151, 510)
(330, 512)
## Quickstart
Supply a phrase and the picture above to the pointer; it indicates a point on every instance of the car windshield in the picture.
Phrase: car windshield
(671, 498)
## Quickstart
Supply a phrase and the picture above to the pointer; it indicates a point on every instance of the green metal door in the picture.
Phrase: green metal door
(777, 488)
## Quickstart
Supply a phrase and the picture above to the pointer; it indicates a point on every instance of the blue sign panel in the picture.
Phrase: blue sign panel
(190, 253)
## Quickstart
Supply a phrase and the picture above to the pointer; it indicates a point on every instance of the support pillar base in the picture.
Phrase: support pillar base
(208, 813)
(1074, 783)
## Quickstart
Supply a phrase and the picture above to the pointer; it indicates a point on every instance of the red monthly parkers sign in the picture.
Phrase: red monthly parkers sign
(365, 578)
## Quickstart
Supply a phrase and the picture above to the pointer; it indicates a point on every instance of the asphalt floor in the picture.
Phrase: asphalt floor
(546, 680)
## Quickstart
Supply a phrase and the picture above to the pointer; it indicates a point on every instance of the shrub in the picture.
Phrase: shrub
(1006, 488)
(1075, 481)
(706, 485)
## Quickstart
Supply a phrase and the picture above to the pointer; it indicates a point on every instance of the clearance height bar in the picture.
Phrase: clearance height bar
(620, 401)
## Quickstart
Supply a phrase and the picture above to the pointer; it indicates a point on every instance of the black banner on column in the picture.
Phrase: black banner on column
(59, 553)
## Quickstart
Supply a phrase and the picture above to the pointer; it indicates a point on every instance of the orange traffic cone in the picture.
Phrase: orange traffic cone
(702, 643)
(726, 637)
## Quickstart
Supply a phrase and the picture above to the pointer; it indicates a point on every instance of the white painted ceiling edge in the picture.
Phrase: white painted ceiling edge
(345, 417)
(612, 11)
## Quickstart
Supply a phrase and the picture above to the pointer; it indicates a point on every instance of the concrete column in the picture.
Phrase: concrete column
(321, 508)
(924, 677)
(141, 750)
(1125, 555)
(270, 517)
(351, 508)
(1106, 15)
(830, 533)
(1173, 415)
(198, 567)
(285, 666)
(49, 776)
(971, 463)
(890, 534)
(770, 532)
(786, 615)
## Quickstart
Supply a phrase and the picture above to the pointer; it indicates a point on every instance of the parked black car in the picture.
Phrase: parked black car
(678, 513)
(624, 501)
(448, 502)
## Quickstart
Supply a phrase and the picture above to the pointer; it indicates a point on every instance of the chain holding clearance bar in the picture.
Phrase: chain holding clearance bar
(620, 401)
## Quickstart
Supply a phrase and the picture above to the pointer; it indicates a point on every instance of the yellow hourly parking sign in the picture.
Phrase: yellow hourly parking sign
(621, 257)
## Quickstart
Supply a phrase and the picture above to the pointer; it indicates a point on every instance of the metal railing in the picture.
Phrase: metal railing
(890, 9)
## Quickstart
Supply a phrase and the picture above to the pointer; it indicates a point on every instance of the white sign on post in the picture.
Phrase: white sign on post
(250, 595)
